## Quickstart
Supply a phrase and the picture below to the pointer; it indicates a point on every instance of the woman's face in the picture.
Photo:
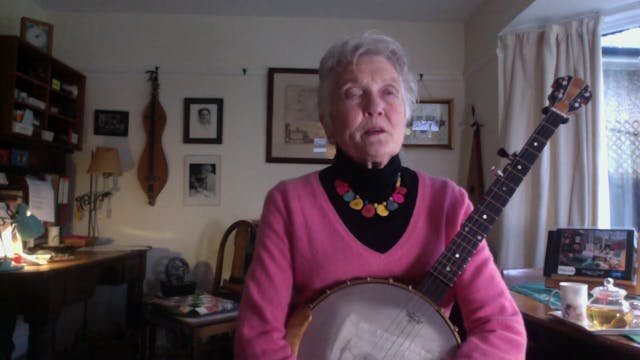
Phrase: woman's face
(367, 116)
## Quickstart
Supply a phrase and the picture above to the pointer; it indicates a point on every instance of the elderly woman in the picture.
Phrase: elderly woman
(367, 216)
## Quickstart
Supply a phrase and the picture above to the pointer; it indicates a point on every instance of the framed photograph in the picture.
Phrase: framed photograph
(294, 131)
(37, 33)
(202, 180)
(588, 252)
(111, 123)
(431, 124)
(202, 121)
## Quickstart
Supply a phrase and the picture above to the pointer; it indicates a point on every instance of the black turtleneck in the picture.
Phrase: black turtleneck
(374, 185)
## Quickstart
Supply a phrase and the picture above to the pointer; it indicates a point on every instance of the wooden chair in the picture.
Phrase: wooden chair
(199, 328)
(244, 240)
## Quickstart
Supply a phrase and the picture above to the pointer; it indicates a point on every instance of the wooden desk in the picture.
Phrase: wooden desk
(40, 292)
(552, 338)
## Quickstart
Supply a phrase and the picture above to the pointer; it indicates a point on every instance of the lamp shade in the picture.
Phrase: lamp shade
(28, 226)
(106, 161)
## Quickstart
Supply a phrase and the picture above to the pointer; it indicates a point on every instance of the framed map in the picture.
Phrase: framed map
(294, 131)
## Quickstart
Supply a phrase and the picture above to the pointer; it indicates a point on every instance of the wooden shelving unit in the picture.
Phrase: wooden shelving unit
(33, 81)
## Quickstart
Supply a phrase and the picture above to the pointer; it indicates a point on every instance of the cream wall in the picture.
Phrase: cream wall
(481, 80)
(203, 56)
(11, 12)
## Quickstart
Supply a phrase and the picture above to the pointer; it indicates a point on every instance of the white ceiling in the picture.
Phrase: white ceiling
(540, 11)
(403, 10)
(546, 11)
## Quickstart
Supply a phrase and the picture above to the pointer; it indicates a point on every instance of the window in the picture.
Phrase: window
(621, 77)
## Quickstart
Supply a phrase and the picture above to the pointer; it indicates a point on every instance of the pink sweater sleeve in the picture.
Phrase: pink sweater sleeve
(495, 329)
(265, 301)
(494, 325)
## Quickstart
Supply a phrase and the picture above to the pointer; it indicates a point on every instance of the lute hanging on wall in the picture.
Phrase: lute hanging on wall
(152, 168)
(382, 319)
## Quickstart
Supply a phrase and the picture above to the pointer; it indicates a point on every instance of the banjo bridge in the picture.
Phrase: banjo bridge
(415, 317)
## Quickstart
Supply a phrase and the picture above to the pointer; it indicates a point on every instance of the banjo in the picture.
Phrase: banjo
(374, 319)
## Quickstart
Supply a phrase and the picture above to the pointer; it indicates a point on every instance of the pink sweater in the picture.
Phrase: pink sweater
(303, 247)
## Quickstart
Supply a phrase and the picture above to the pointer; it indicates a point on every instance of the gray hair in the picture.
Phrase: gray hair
(349, 51)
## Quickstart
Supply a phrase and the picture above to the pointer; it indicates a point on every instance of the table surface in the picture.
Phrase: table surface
(80, 258)
(536, 316)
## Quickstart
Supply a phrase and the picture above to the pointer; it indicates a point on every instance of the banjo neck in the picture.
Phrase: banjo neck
(568, 95)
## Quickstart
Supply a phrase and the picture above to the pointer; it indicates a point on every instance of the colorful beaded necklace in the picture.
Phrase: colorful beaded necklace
(366, 209)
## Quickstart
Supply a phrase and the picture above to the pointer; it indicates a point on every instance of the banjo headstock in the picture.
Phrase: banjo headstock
(569, 94)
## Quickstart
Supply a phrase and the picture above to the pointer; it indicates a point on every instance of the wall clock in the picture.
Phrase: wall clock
(37, 33)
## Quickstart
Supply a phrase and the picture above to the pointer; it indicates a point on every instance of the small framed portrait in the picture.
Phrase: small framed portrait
(202, 180)
(37, 33)
(294, 131)
(111, 123)
(430, 124)
(202, 121)
(590, 252)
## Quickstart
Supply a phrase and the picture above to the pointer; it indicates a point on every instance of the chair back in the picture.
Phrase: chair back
(244, 236)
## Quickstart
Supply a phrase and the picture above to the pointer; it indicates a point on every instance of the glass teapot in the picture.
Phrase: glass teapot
(608, 309)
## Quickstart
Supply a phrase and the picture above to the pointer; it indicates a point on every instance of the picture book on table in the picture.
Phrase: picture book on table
(196, 305)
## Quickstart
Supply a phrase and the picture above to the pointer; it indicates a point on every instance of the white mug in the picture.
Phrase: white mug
(53, 235)
(573, 300)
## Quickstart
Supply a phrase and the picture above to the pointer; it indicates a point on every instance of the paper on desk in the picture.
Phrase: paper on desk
(6, 240)
(41, 202)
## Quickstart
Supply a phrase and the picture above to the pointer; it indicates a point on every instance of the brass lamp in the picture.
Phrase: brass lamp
(104, 161)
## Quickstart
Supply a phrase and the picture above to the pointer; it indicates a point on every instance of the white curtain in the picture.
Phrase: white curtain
(562, 187)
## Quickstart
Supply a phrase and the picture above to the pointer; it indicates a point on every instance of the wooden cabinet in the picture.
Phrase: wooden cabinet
(41, 106)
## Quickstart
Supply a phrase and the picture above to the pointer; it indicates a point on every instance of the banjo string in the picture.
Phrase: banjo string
(407, 329)
(409, 333)
(397, 325)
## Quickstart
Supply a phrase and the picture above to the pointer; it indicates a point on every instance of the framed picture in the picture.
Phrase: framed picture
(37, 33)
(589, 252)
(202, 180)
(202, 121)
(294, 131)
(111, 123)
(431, 124)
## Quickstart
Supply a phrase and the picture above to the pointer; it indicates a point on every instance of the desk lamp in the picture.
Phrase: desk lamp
(104, 161)
(27, 224)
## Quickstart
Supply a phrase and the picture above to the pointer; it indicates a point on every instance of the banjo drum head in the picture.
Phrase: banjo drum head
(375, 320)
